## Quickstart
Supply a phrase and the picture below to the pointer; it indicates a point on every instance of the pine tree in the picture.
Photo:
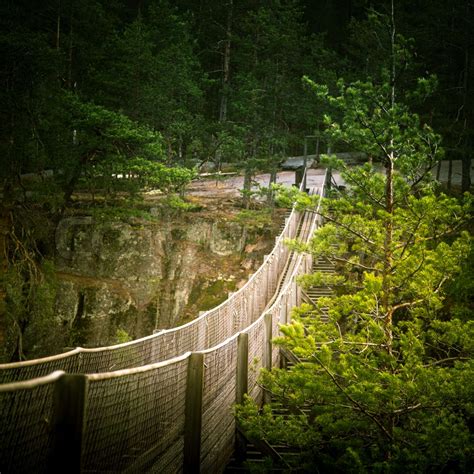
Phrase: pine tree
(386, 384)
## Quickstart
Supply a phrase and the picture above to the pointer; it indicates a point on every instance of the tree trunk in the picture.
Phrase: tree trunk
(5, 228)
(225, 77)
(466, 171)
(389, 169)
(226, 64)
(58, 25)
(71, 183)
(466, 157)
(18, 354)
(450, 172)
(70, 51)
(273, 178)
(388, 255)
(69, 188)
(247, 187)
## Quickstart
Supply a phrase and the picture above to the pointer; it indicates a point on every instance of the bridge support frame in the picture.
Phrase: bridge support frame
(241, 388)
(193, 414)
(268, 358)
(68, 423)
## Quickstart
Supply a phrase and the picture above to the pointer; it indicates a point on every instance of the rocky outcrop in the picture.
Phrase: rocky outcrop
(137, 276)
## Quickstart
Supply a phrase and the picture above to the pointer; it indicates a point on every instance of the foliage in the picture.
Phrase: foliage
(379, 400)
(29, 305)
(386, 384)
(158, 176)
(255, 220)
(269, 55)
(111, 97)
(119, 213)
(153, 73)
(174, 203)
(122, 336)
(372, 124)
(459, 291)
(103, 142)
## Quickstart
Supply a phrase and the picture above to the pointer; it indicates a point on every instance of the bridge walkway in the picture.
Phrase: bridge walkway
(255, 455)
(170, 409)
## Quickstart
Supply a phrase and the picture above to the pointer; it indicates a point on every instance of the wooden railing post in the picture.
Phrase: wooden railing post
(241, 388)
(68, 423)
(268, 359)
(193, 414)
(328, 180)
(268, 320)
(242, 381)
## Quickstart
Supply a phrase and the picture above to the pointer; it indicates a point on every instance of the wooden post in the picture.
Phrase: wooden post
(327, 183)
(268, 359)
(305, 162)
(241, 388)
(193, 414)
(268, 318)
(450, 172)
(438, 170)
(68, 423)
(299, 175)
(294, 300)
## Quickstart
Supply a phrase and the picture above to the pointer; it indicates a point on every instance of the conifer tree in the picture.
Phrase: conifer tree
(385, 384)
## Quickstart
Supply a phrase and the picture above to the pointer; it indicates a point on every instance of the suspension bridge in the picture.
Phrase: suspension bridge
(162, 403)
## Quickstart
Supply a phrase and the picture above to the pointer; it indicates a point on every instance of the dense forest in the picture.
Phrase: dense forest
(91, 85)
(109, 97)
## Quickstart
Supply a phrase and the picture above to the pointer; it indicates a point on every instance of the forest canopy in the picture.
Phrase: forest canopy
(88, 84)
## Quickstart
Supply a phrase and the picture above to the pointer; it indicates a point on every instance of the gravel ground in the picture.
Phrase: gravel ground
(228, 185)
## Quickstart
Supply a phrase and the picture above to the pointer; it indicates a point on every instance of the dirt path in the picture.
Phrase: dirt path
(229, 186)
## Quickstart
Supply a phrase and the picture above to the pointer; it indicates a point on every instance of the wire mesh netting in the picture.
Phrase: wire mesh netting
(239, 314)
(275, 312)
(256, 334)
(25, 370)
(220, 326)
(218, 425)
(134, 416)
(26, 415)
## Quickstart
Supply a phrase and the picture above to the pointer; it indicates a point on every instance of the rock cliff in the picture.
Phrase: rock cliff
(123, 279)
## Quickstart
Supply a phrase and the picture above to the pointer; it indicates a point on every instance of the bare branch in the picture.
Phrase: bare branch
(447, 359)
(356, 264)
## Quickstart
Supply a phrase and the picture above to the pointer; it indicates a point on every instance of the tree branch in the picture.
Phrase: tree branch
(447, 359)
(356, 264)
(355, 402)
(349, 229)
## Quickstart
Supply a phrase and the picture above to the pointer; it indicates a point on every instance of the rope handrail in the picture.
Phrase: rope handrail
(136, 370)
(160, 417)
(32, 383)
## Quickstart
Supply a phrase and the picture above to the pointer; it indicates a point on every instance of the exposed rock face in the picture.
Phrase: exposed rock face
(137, 276)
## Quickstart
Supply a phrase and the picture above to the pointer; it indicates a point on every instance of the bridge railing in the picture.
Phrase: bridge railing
(210, 328)
(26, 414)
(164, 417)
